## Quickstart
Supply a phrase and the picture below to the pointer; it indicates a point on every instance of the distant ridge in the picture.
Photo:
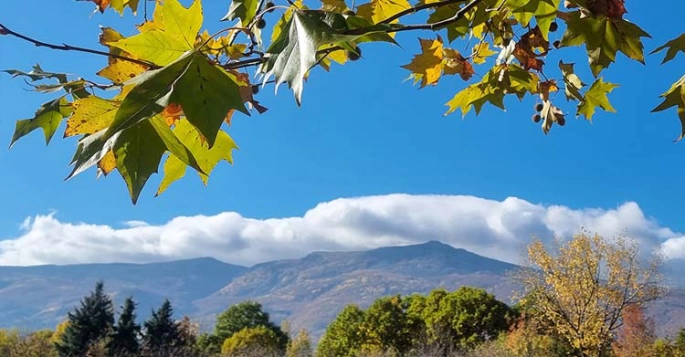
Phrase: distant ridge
(309, 291)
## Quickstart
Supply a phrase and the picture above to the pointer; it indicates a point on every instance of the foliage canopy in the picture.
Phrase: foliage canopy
(176, 85)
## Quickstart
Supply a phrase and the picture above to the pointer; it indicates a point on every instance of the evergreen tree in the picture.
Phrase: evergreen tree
(161, 332)
(92, 321)
(124, 340)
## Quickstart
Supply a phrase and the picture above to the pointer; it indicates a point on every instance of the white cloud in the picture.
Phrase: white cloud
(497, 229)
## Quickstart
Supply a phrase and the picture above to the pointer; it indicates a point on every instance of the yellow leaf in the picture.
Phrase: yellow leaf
(428, 64)
(108, 163)
(120, 5)
(118, 70)
(482, 51)
(90, 115)
(379, 10)
(172, 32)
(278, 27)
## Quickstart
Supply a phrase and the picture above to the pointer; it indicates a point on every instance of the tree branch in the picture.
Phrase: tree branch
(65, 47)
(434, 26)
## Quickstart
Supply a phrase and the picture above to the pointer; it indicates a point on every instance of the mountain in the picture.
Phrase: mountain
(309, 291)
(40, 296)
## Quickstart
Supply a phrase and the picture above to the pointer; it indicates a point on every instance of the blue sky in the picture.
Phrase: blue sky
(361, 131)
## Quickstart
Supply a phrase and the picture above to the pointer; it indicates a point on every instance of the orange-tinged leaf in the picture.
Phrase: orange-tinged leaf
(101, 4)
(454, 63)
(527, 57)
(546, 87)
(428, 64)
(172, 113)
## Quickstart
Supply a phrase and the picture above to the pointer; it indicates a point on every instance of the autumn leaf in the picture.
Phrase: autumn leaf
(603, 38)
(48, 117)
(595, 97)
(118, 70)
(551, 114)
(107, 164)
(91, 115)
(454, 63)
(674, 46)
(546, 87)
(172, 113)
(174, 33)
(428, 64)
(675, 97)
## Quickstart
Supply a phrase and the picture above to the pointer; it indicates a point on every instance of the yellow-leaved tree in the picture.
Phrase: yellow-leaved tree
(582, 286)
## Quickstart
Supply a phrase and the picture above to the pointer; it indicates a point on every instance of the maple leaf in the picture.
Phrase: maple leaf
(603, 38)
(208, 158)
(544, 11)
(173, 34)
(454, 63)
(675, 97)
(595, 97)
(674, 46)
(378, 10)
(546, 87)
(428, 64)
(107, 164)
(48, 117)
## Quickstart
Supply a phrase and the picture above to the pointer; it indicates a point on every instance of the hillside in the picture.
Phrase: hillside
(309, 292)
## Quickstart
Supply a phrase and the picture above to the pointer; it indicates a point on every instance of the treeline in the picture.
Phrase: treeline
(586, 299)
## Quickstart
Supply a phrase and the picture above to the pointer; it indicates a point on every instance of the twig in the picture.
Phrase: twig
(439, 24)
(65, 47)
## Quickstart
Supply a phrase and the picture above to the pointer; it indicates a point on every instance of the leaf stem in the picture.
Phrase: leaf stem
(434, 26)
(415, 9)
(65, 47)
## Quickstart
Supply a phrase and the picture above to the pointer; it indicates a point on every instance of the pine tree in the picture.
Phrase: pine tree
(124, 340)
(161, 332)
(91, 322)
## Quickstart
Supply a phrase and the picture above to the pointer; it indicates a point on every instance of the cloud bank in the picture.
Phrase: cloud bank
(496, 229)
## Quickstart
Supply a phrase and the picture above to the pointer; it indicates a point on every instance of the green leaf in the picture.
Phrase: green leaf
(208, 158)
(138, 152)
(604, 37)
(675, 97)
(544, 11)
(572, 82)
(293, 53)
(245, 10)
(91, 149)
(48, 117)
(674, 46)
(150, 95)
(206, 93)
(37, 74)
(173, 144)
(168, 41)
(595, 97)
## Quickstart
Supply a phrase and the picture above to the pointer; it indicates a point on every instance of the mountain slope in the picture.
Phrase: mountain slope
(40, 296)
